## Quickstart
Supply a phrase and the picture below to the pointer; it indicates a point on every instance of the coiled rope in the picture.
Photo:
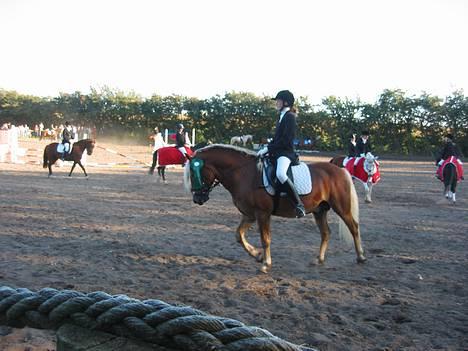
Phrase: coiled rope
(153, 321)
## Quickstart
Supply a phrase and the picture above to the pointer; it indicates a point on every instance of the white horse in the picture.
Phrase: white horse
(371, 166)
(242, 140)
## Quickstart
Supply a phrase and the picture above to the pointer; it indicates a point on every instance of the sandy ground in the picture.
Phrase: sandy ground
(122, 231)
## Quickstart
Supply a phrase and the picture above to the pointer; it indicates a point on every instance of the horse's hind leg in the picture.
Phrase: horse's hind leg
(453, 188)
(162, 173)
(322, 223)
(241, 232)
(354, 229)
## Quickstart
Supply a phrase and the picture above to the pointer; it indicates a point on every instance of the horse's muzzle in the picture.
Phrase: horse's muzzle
(200, 198)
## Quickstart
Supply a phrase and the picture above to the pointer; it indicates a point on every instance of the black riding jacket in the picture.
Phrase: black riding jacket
(283, 141)
(180, 139)
(352, 150)
(449, 149)
(363, 148)
(66, 136)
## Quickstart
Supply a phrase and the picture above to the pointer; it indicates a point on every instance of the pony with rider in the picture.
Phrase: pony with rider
(67, 150)
(272, 182)
(449, 166)
(360, 162)
(164, 155)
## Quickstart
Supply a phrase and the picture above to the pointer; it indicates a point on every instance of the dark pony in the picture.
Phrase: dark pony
(239, 171)
(51, 155)
(162, 169)
(450, 181)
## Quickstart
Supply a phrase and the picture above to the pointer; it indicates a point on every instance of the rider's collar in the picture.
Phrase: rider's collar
(283, 112)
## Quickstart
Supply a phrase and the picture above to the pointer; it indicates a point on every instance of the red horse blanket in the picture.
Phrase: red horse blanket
(359, 172)
(453, 160)
(172, 156)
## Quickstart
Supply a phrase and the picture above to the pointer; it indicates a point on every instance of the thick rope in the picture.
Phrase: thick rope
(153, 321)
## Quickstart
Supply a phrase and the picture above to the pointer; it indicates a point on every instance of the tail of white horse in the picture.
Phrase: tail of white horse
(343, 230)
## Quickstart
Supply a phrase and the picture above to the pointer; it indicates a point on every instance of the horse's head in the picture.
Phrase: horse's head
(199, 179)
(90, 146)
(370, 164)
(210, 166)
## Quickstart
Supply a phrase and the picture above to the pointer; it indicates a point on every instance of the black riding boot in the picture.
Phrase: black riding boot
(62, 156)
(294, 196)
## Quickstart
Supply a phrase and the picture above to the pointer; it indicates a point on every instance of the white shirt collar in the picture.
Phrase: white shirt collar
(283, 112)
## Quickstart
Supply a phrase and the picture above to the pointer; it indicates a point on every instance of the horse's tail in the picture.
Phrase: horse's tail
(450, 174)
(343, 229)
(45, 158)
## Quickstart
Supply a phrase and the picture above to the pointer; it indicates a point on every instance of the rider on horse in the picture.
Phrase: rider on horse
(67, 135)
(363, 145)
(181, 141)
(281, 148)
(449, 149)
(352, 149)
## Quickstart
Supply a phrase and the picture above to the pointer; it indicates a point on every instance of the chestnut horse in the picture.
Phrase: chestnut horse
(51, 155)
(239, 171)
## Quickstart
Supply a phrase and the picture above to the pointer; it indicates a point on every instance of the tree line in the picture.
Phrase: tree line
(398, 123)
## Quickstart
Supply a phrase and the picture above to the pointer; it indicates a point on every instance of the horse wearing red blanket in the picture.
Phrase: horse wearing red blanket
(365, 169)
(170, 155)
(450, 171)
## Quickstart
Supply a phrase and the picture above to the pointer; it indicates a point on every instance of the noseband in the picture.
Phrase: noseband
(206, 188)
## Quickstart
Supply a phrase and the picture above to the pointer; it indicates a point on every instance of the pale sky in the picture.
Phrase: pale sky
(202, 48)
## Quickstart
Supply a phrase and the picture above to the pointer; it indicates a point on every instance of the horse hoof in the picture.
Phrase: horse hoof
(361, 260)
(368, 201)
(319, 261)
(264, 269)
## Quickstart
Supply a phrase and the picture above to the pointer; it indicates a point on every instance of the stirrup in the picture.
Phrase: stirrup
(300, 211)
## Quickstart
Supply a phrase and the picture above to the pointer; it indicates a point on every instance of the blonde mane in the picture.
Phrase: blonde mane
(242, 150)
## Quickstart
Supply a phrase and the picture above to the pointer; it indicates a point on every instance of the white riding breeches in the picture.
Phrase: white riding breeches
(182, 149)
(282, 165)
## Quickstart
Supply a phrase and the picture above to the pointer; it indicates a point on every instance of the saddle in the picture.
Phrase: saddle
(298, 172)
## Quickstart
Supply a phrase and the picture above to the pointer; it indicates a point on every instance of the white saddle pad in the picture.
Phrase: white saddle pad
(63, 148)
(302, 180)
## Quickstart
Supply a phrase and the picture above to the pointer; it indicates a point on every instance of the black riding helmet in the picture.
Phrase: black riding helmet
(286, 96)
(179, 126)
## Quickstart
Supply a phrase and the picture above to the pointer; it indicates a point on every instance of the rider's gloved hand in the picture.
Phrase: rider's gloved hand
(262, 151)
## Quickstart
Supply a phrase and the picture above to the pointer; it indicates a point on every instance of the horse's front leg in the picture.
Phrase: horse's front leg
(263, 220)
(368, 187)
(84, 170)
(73, 167)
(241, 232)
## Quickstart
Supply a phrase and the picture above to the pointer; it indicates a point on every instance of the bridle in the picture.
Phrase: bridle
(206, 188)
